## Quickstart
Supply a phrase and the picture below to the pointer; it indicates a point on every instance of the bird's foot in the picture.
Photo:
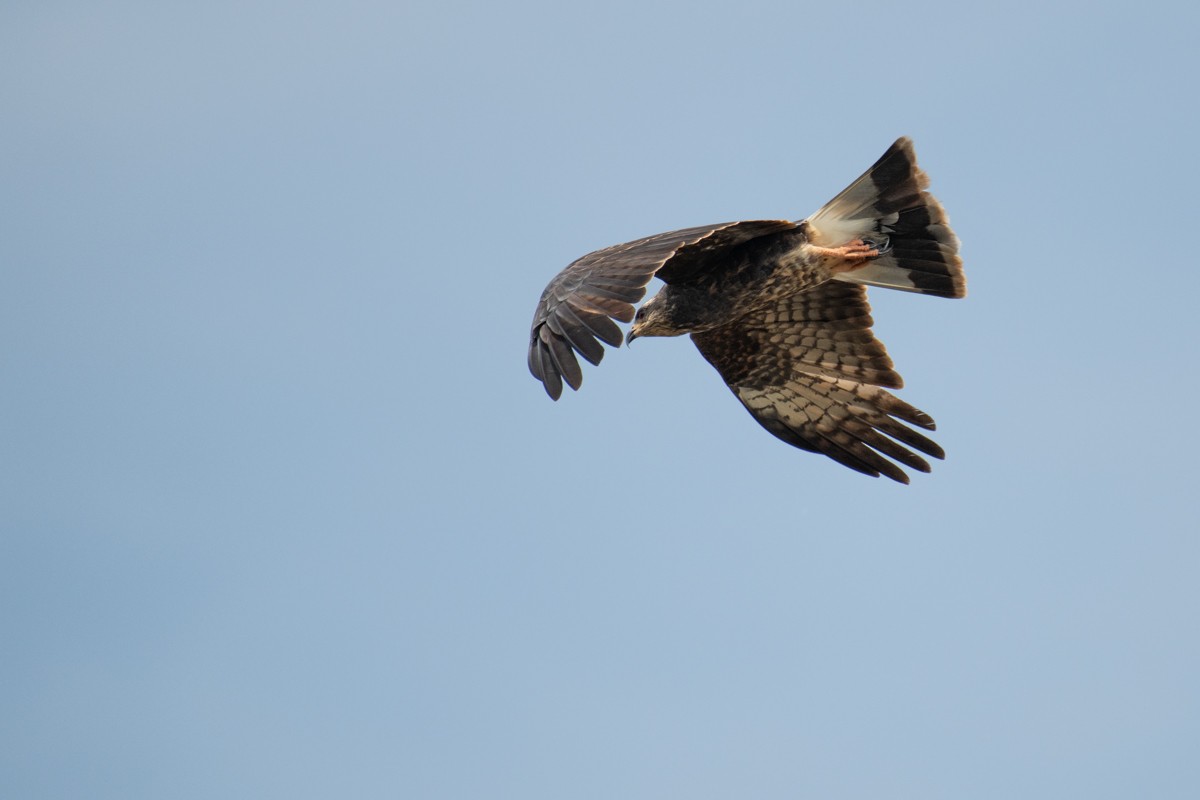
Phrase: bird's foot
(849, 256)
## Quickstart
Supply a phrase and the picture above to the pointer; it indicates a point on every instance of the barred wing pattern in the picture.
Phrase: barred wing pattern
(577, 309)
(809, 371)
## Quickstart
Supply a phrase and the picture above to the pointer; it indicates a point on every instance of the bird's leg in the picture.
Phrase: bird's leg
(851, 255)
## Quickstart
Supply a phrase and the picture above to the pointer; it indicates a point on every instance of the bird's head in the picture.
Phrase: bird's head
(652, 319)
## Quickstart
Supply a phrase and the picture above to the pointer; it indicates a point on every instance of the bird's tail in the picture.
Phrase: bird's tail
(889, 208)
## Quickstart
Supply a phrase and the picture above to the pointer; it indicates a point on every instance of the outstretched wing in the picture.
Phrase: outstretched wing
(577, 309)
(809, 370)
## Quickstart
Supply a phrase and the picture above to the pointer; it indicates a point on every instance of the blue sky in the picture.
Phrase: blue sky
(283, 513)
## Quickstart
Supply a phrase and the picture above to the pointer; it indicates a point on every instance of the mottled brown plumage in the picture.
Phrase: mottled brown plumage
(779, 309)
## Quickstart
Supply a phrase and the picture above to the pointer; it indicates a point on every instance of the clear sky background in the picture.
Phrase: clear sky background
(284, 514)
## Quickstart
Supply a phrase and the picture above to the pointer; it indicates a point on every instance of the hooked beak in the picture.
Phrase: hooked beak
(629, 337)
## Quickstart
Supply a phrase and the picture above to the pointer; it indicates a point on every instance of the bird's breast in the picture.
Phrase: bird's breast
(763, 283)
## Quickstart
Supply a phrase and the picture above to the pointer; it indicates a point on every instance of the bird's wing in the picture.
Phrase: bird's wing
(578, 307)
(810, 371)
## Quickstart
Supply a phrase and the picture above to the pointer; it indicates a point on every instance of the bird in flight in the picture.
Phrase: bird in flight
(779, 308)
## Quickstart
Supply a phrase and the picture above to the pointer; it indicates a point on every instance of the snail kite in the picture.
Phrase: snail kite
(780, 309)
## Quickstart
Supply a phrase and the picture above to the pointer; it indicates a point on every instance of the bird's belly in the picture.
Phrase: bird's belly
(789, 276)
